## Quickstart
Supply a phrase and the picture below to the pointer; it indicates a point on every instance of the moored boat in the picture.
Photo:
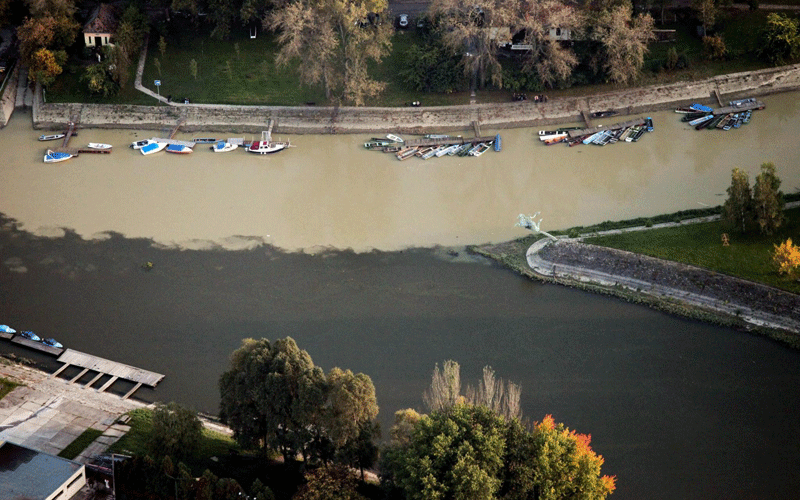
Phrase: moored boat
(51, 137)
(26, 334)
(698, 121)
(141, 144)
(52, 343)
(432, 152)
(56, 156)
(99, 146)
(604, 114)
(152, 147)
(747, 115)
(395, 138)
(223, 147)
(480, 149)
(447, 150)
(405, 154)
(267, 147)
(180, 149)
(7, 329)
(498, 143)
(701, 107)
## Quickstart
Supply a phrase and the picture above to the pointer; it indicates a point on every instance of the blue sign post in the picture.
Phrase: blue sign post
(158, 87)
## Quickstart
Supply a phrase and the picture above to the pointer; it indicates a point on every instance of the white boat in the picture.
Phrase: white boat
(267, 147)
(153, 147)
(180, 149)
(99, 146)
(55, 156)
(480, 149)
(395, 138)
(223, 147)
(51, 137)
(141, 144)
(405, 154)
(7, 329)
(447, 151)
(431, 153)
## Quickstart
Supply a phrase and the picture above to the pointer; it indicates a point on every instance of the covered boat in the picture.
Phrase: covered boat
(7, 329)
(52, 343)
(180, 149)
(153, 147)
(30, 336)
(223, 147)
(56, 156)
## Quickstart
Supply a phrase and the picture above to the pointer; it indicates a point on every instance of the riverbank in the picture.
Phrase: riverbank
(669, 286)
(347, 120)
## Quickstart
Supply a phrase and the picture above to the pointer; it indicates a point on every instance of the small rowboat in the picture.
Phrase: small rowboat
(56, 156)
(480, 149)
(153, 147)
(395, 138)
(99, 145)
(179, 149)
(698, 121)
(498, 143)
(405, 154)
(223, 147)
(51, 137)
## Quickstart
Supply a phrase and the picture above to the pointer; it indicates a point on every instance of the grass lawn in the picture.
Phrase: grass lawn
(748, 256)
(80, 443)
(212, 444)
(7, 386)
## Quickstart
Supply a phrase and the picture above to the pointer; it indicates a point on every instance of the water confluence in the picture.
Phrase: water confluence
(679, 409)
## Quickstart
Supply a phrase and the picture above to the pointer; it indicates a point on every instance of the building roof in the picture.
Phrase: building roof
(102, 20)
(27, 473)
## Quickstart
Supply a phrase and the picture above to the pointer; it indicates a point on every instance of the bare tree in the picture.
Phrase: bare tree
(335, 41)
(623, 40)
(494, 393)
(445, 388)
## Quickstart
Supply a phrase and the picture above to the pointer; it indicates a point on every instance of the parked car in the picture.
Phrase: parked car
(402, 21)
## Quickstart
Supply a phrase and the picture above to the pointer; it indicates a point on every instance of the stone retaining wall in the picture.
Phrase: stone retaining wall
(9, 97)
(331, 120)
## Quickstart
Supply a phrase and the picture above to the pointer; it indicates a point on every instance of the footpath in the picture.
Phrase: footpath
(684, 288)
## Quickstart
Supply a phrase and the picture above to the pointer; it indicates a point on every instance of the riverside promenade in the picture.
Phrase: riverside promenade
(411, 120)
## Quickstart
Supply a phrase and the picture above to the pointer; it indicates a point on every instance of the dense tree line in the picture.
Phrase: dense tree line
(760, 207)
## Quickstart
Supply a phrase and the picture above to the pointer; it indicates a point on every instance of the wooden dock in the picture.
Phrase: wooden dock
(37, 345)
(103, 367)
(724, 110)
(589, 131)
(190, 144)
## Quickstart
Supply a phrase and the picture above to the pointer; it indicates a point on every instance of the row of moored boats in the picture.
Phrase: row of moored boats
(27, 334)
(702, 117)
(459, 147)
(264, 146)
(630, 133)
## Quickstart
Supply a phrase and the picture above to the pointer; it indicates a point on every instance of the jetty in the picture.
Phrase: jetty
(170, 141)
(64, 148)
(425, 142)
(105, 367)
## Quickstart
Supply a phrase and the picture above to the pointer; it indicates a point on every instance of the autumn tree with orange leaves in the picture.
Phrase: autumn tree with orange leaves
(469, 451)
(787, 258)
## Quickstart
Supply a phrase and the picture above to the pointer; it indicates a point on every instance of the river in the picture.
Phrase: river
(679, 409)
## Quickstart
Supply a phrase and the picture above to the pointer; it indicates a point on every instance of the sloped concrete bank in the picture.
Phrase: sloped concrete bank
(334, 120)
(677, 288)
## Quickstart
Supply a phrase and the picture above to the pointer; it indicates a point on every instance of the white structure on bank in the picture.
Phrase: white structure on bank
(100, 28)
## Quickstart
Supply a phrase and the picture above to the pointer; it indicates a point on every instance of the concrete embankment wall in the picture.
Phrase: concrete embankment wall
(325, 120)
(9, 97)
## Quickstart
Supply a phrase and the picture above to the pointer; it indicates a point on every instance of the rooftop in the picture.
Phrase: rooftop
(27, 473)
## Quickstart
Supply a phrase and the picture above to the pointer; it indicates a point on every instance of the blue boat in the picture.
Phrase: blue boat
(30, 336)
(178, 149)
(698, 121)
(7, 329)
(701, 107)
(498, 143)
(56, 156)
(52, 343)
(649, 123)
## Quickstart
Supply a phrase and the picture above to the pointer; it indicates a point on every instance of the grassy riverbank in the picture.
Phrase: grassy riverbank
(749, 256)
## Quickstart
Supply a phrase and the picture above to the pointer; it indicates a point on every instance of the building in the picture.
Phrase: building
(27, 473)
(100, 28)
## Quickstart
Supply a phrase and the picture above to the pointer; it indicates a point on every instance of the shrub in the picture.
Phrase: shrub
(714, 48)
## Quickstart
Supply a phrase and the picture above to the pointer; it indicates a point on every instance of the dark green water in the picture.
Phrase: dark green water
(679, 409)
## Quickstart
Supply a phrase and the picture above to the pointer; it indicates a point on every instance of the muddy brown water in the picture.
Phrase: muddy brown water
(679, 409)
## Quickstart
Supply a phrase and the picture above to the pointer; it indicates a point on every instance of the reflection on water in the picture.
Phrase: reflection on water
(329, 192)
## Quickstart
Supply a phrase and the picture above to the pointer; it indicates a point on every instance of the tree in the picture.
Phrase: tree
(706, 13)
(329, 482)
(45, 66)
(787, 258)
(737, 210)
(352, 406)
(780, 39)
(622, 42)
(453, 454)
(445, 388)
(491, 392)
(714, 47)
(550, 59)
(54, 33)
(272, 396)
(768, 200)
(176, 431)
(335, 41)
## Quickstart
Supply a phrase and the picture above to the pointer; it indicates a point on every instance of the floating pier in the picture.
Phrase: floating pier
(36, 345)
(103, 367)
(442, 142)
